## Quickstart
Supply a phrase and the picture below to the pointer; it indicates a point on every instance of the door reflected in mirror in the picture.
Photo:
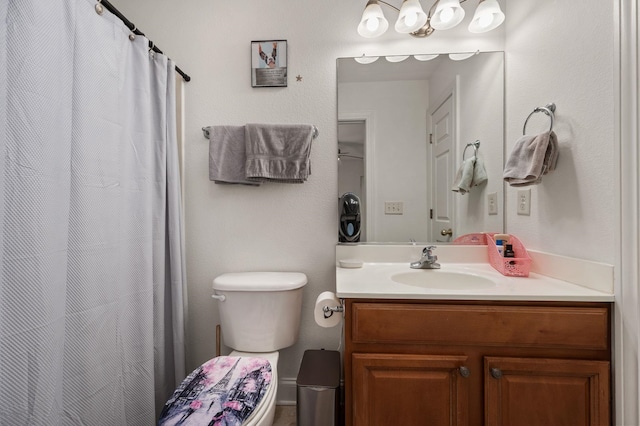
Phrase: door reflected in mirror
(402, 132)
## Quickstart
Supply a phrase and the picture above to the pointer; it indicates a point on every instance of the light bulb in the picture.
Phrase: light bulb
(485, 20)
(446, 15)
(366, 59)
(487, 17)
(397, 58)
(425, 57)
(372, 24)
(410, 19)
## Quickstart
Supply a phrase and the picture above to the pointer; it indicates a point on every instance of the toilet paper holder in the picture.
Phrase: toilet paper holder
(329, 310)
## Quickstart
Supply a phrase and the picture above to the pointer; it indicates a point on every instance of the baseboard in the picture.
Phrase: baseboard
(287, 390)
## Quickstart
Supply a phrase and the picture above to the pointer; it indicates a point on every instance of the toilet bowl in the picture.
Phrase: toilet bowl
(259, 314)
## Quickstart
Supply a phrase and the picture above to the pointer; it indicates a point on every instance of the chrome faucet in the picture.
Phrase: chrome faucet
(427, 261)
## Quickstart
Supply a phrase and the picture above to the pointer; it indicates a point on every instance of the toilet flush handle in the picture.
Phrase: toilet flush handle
(220, 297)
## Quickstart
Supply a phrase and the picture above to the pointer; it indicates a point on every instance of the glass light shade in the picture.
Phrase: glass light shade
(461, 56)
(425, 57)
(488, 16)
(366, 59)
(448, 14)
(411, 17)
(396, 58)
(373, 22)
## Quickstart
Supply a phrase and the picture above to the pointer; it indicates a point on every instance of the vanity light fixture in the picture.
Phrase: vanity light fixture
(425, 57)
(373, 22)
(443, 15)
(487, 17)
(396, 58)
(366, 59)
(411, 17)
(462, 56)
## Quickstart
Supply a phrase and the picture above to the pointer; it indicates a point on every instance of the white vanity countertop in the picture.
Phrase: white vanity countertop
(374, 281)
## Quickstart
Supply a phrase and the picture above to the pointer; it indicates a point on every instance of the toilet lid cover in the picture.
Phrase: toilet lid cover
(222, 391)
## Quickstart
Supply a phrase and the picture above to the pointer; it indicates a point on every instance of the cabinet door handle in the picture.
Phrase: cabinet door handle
(496, 373)
(464, 371)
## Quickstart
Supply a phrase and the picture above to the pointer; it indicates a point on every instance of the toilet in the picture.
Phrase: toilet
(259, 315)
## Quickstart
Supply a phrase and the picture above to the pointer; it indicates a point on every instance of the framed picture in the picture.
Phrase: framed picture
(269, 63)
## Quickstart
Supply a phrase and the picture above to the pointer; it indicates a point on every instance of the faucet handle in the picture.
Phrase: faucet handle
(427, 250)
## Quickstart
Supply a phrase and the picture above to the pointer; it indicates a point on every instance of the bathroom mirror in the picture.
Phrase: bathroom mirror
(405, 124)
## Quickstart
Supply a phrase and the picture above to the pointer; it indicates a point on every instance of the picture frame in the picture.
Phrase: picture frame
(269, 63)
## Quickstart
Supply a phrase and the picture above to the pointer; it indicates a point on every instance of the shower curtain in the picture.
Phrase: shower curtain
(92, 282)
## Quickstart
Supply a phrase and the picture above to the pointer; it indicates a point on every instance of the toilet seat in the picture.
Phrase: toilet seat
(235, 389)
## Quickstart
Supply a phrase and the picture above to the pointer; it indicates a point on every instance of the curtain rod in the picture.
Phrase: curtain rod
(111, 8)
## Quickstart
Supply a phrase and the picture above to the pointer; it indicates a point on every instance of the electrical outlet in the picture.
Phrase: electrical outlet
(492, 203)
(524, 202)
(393, 207)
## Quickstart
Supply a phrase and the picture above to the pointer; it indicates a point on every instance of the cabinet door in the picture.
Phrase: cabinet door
(546, 392)
(395, 389)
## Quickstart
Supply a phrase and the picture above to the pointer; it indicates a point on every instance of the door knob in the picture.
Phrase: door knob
(448, 232)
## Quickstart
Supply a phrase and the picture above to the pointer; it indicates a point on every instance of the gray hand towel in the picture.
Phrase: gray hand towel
(227, 155)
(464, 176)
(479, 173)
(471, 173)
(531, 158)
(278, 152)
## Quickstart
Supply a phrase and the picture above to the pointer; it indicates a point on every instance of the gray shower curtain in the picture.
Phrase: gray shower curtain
(92, 281)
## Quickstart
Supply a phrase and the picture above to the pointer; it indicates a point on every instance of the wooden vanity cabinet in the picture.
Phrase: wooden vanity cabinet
(473, 363)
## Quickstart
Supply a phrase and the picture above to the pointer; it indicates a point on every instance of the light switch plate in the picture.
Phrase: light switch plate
(393, 207)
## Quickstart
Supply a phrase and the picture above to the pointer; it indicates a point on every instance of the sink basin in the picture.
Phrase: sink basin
(443, 280)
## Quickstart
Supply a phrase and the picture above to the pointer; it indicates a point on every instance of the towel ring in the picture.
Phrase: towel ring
(475, 146)
(548, 109)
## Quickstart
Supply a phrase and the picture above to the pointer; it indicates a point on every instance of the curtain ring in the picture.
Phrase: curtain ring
(132, 36)
(152, 54)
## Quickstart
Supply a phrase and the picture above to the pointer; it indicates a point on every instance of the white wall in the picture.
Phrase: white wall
(563, 52)
(274, 227)
(558, 52)
(398, 149)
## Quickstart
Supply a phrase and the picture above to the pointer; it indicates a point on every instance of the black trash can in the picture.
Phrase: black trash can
(317, 389)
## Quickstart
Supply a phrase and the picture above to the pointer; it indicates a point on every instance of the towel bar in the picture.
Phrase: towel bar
(205, 132)
(475, 146)
(548, 109)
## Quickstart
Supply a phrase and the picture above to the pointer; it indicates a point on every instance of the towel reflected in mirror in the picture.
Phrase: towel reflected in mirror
(470, 173)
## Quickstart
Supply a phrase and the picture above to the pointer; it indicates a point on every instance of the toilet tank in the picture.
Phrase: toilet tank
(261, 310)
